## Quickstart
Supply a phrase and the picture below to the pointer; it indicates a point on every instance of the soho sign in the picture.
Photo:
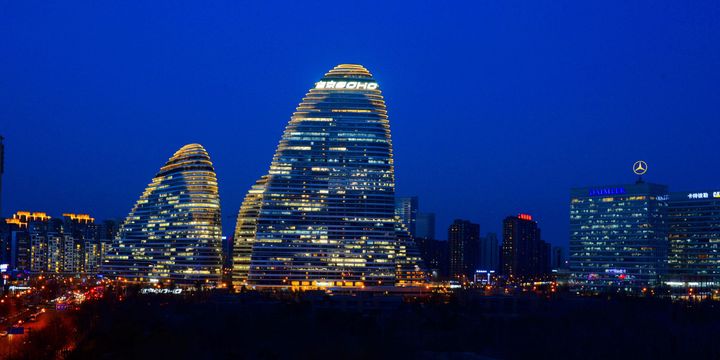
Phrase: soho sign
(350, 85)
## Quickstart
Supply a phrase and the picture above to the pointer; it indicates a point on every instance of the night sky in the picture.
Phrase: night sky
(496, 107)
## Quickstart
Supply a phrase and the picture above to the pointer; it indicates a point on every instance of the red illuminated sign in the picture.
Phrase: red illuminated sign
(525, 217)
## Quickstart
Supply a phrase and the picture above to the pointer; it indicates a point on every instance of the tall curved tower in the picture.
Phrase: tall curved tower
(324, 215)
(173, 234)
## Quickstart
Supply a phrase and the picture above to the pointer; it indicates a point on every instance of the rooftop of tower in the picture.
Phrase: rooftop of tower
(190, 155)
(349, 71)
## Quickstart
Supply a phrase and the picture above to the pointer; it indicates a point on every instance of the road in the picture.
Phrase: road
(10, 344)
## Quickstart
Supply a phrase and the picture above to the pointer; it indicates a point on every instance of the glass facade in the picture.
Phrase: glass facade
(694, 226)
(618, 237)
(173, 234)
(324, 215)
(406, 208)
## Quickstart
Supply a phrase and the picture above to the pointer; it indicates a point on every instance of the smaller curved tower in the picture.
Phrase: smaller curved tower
(173, 233)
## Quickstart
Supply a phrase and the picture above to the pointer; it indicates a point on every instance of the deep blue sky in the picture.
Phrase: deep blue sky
(496, 107)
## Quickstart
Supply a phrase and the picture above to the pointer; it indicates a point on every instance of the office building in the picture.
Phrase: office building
(524, 254)
(172, 234)
(324, 215)
(464, 248)
(406, 208)
(618, 237)
(694, 235)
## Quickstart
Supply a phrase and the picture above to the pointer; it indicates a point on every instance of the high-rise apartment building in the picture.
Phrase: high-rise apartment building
(524, 253)
(464, 248)
(28, 229)
(40, 244)
(98, 246)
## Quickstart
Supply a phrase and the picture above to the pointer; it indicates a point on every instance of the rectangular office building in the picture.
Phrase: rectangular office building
(694, 226)
(618, 237)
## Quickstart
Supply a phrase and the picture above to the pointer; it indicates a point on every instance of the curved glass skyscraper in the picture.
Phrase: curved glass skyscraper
(324, 215)
(172, 234)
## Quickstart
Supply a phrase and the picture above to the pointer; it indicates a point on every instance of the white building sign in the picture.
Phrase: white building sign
(346, 85)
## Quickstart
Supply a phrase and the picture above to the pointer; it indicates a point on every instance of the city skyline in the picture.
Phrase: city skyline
(523, 127)
(359, 180)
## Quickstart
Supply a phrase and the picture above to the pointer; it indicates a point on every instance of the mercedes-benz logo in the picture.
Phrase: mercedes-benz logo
(640, 167)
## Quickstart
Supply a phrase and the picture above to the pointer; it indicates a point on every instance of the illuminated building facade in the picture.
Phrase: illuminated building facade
(172, 234)
(464, 248)
(79, 231)
(618, 237)
(38, 243)
(52, 251)
(324, 215)
(22, 218)
(94, 251)
(99, 245)
(28, 241)
(38, 253)
(524, 253)
(41, 244)
(694, 234)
